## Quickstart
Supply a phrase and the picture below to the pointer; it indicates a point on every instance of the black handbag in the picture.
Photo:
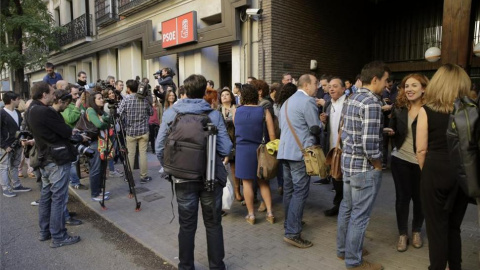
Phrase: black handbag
(88, 127)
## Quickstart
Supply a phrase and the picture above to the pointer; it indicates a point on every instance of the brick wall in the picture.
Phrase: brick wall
(331, 32)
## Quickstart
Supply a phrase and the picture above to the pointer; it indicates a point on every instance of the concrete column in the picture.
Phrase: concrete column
(455, 32)
(107, 64)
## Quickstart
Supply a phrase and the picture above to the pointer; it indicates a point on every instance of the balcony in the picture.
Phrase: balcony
(128, 7)
(105, 12)
(78, 29)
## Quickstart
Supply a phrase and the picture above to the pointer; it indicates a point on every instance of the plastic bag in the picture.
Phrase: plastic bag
(228, 196)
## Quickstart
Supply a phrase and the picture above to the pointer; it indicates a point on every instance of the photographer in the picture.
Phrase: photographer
(10, 150)
(56, 153)
(165, 79)
(136, 111)
(71, 114)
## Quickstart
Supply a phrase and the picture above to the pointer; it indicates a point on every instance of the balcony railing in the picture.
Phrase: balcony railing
(128, 7)
(77, 29)
(105, 12)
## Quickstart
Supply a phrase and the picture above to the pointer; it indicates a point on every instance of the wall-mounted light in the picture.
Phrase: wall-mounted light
(476, 49)
(432, 54)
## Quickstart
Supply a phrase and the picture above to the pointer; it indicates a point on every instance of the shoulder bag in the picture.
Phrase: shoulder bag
(88, 127)
(267, 164)
(313, 156)
(334, 158)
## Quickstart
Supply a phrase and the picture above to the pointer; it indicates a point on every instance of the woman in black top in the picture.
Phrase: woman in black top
(443, 202)
(405, 169)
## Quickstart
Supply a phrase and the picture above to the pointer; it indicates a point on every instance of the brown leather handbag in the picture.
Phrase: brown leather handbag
(334, 158)
(313, 156)
(267, 164)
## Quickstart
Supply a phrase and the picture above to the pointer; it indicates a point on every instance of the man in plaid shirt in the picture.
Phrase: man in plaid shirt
(361, 165)
(135, 112)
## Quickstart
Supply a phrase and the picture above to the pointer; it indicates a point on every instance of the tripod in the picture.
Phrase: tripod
(115, 119)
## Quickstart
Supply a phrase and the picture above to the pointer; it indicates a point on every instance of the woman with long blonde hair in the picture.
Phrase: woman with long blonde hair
(444, 203)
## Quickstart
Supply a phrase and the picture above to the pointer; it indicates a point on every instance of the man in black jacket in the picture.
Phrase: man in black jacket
(10, 150)
(51, 135)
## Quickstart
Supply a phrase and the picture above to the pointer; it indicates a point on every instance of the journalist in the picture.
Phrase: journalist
(190, 193)
(10, 148)
(165, 80)
(56, 153)
(135, 111)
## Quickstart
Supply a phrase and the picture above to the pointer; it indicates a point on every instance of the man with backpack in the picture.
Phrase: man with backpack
(183, 125)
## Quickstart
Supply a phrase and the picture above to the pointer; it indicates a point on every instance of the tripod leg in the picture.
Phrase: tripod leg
(103, 178)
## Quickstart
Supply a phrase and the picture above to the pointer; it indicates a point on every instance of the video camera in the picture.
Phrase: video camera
(105, 85)
(82, 147)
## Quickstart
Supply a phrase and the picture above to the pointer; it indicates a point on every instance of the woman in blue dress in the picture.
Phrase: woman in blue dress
(249, 130)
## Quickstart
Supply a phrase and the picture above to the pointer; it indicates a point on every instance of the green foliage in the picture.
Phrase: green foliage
(38, 34)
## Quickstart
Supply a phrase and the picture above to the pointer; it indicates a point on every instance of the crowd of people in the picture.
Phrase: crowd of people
(378, 123)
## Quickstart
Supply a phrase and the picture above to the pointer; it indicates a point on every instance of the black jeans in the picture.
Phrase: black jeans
(188, 197)
(153, 128)
(338, 186)
(406, 176)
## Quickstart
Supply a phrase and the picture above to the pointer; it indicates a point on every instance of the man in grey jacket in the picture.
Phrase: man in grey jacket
(302, 112)
(190, 193)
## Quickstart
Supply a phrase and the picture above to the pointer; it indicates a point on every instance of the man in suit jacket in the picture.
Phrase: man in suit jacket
(302, 113)
(11, 153)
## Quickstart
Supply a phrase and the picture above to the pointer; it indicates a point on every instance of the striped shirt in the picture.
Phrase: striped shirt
(362, 132)
(135, 112)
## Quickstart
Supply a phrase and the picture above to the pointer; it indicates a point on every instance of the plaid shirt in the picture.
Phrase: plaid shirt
(362, 132)
(135, 112)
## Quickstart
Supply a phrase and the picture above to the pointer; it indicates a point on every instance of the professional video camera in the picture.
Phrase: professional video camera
(105, 85)
(144, 89)
(82, 147)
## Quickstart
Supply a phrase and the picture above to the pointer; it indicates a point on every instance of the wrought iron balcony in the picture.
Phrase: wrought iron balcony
(77, 29)
(128, 7)
(105, 12)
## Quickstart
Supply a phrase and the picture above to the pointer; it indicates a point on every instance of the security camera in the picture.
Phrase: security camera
(254, 11)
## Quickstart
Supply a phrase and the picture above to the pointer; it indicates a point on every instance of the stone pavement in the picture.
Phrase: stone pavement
(261, 246)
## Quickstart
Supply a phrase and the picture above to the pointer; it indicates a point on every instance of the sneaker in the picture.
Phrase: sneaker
(44, 237)
(145, 179)
(332, 211)
(298, 242)
(35, 203)
(8, 193)
(324, 181)
(366, 265)
(99, 198)
(69, 240)
(115, 174)
(79, 186)
(106, 193)
(73, 222)
(21, 189)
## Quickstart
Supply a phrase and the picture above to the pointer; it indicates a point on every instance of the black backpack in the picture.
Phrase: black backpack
(185, 154)
(463, 138)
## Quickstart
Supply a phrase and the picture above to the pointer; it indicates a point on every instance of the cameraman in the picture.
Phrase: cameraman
(10, 148)
(136, 111)
(71, 114)
(165, 79)
(51, 135)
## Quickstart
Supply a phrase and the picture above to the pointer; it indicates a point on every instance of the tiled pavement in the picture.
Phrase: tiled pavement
(261, 246)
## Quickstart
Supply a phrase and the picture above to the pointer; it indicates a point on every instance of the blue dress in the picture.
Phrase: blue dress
(248, 135)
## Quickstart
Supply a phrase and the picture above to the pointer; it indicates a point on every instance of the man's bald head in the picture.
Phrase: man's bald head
(62, 84)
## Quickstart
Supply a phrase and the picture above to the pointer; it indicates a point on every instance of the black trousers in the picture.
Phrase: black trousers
(189, 195)
(338, 186)
(153, 128)
(437, 188)
(406, 177)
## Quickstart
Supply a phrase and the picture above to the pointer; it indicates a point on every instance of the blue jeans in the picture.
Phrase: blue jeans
(295, 192)
(359, 194)
(51, 210)
(74, 179)
(95, 172)
(188, 197)
(9, 168)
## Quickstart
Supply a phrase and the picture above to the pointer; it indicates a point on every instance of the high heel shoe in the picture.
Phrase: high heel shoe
(270, 218)
(250, 219)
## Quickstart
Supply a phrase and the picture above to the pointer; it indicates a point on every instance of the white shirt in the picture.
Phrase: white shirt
(303, 91)
(334, 119)
(13, 114)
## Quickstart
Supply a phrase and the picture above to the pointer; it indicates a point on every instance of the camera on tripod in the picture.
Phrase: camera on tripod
(81, 146)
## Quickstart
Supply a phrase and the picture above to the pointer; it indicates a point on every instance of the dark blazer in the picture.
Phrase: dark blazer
(399, 124)
(8, 128)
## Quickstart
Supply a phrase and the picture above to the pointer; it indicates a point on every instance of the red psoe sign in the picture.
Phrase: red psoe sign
(179, 30)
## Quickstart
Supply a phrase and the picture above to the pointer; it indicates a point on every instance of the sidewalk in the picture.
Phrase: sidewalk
(261, 246)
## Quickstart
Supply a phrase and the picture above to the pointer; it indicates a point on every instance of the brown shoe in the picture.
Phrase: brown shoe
(298, 242)
(402, 244)
(368, 266)
(364, 253)
(417, 241)
(250, 219)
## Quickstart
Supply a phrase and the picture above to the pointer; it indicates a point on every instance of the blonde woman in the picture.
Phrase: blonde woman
(444, 203)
